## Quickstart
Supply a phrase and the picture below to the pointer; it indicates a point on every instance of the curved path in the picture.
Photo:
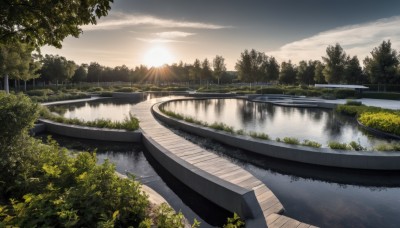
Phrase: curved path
(193, 164)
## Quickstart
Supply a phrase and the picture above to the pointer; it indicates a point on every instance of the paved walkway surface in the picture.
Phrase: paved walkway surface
(215, 165)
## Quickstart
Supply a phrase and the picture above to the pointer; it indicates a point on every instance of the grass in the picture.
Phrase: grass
(291, 140)
(130, 123)
(311, 144)
(338, 146)
(222, 127)
(384, 121)
(259, 135)
(388, 147)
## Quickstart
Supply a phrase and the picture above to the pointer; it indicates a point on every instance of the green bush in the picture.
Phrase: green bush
(345, 93)
(270, 90)
(311, 143)
(338, 146)
(385, 121)
(59, 97)
(291, 140)
(388, 147)
(106, 94)
(259, 135)
(94, 89)
(234, 222)
(356, 146)
(353, 103)
(126, 90)
(222, 127)
(39, 92)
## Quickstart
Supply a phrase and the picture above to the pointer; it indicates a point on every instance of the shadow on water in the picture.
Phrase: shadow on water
(134, 159)
(325, 197)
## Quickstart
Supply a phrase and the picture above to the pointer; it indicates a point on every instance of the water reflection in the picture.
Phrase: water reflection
(321, 125)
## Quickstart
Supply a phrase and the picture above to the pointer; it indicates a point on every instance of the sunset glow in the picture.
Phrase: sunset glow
(157, 57)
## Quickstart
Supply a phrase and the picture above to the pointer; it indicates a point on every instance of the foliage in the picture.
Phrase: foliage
(39, 92)
(353, 102)
(51, 24)
(270, 90)
(382, 66)
(219, 67)
(222, 127)
(338, 146)
(57, 68)
(334, 63)
(385, 121)
(306, 72)
(356, 146)
(288, 73)
(94, 89)
(130, 123)
(387, 147)
(59, 97)
(125, 90)
(311, 144)
(353, 73)
(291, 140)
(344, 93)
(259, 135)
(234, 222)
(167, 218)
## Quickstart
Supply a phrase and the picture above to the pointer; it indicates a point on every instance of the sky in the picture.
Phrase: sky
(154, 32)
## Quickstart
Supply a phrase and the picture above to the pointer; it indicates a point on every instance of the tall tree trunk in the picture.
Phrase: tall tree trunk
(25, 85)
(6, 86)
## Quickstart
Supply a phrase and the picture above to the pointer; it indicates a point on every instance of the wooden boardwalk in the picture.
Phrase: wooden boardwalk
(214, 165)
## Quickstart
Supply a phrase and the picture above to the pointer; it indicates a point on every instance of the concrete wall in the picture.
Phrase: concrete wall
(92, 132)
(225, 194)
(373, 160)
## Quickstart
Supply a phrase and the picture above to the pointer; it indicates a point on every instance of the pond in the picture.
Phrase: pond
(324, 197)
(321, 125)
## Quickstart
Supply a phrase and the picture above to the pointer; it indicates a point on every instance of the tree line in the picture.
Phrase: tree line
(382, 67)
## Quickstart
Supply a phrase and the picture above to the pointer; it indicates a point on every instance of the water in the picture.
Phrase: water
(324, 197)
(321, 125)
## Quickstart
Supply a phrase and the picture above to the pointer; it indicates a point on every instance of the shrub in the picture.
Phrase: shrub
(125, 90)
(95, 89)
(222, 127)
(259, 135)
(240, 132)
(384, 121)
(39, 92)
(270, 90)
(388, 147)
(356, 146)
(291, 140)
(345, 93)
(338, 146)
(234, 222)
(353, 102)
(106, 94)
(166, 217)
(311, 143)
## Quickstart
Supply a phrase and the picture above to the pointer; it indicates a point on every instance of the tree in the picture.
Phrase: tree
(306, 72)
(80, 74)
(206, 72)
(44, 22)
(271, 69)
(251, 66)
(352, 71)
(57, 68)
(31, 71)
(288, 73)
(94, 72)
(195, 71)
(382, 67)
(334, 63)
(318, 73)
(15, 61)
(219, 67)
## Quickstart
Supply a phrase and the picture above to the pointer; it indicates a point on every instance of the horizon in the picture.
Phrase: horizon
(181, 31)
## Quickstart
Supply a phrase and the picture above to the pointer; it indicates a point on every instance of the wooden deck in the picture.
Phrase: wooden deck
(214, 165)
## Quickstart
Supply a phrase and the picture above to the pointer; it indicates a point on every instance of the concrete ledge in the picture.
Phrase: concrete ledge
(372, 160)
(227, 195)
(83, 132)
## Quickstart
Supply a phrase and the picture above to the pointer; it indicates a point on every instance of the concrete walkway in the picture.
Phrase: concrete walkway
(194, 159)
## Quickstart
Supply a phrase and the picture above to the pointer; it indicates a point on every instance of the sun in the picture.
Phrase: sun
(157, 56)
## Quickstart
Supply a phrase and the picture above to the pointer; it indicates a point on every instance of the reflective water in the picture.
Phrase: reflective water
(320, 196)
(321, 125)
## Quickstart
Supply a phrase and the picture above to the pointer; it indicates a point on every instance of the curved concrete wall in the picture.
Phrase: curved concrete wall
(92, 132)
(373, 160)
(225, 194)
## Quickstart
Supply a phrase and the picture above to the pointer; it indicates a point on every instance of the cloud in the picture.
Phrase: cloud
(359, 39)
(174, 34)
(147, 40)
(121, 20)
